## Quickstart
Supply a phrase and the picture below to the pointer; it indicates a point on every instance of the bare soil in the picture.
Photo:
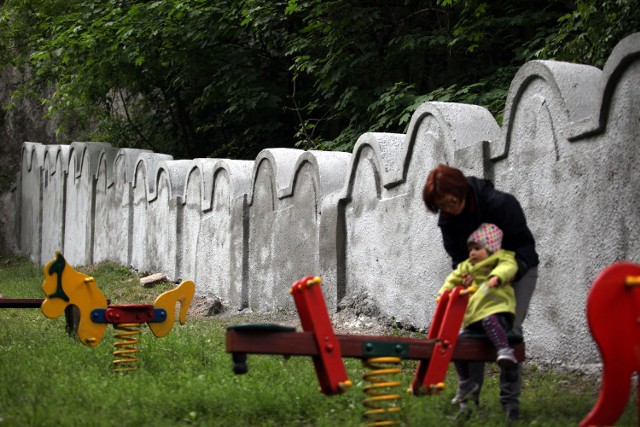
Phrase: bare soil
(347, 320)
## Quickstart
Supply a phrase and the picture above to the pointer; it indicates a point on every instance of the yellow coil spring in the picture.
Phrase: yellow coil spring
(381, 404)
(125, 360)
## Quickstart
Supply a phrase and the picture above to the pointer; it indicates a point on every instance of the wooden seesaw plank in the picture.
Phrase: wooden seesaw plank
(288, 343)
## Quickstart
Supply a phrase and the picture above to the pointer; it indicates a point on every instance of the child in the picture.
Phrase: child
(492, 307)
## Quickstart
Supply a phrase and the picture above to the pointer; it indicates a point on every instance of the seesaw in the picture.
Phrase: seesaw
(327, 349)
(65, 287)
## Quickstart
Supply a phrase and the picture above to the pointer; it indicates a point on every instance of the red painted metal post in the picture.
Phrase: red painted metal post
(613, 315)
(314, 317)
(445, 327)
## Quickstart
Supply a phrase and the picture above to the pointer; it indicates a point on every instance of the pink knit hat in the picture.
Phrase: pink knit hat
(488, 236)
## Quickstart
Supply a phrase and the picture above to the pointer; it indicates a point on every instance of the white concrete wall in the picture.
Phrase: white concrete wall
(245, 230)
(29, 200)
(53, 207)
(214, 227)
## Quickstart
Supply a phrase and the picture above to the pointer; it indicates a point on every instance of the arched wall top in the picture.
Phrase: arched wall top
(625, 52)
(54, 155)
(176, 171)
(86, 152)
(463, 125)
(331, 168)
(238, 171)
(62, 158)
(205, 168)
(33, 151)
(282, 162)
(574, 88)
(368, 141)
(108, 156)
(329, 171)
(148, 161)
(50, 157)
(129, 157)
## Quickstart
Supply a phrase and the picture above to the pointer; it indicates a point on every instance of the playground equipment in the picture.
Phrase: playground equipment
(613, 315)
(64, 287)
(327, 349)
(70, 313)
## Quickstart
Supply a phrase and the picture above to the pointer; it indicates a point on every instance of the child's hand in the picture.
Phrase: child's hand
(493, 282)
(467, 280)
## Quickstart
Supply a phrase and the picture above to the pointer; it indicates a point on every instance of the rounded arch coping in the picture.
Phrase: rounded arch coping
(129, 157)
(462, 125)
(282, 162)
(56, 154)
(622, 56)
(176, 173)
(49, 161)
(573, 88)
(329, 172)
(33, 151)
(204, 168)
(107, 158)
(369, 141)
(148, 162)
(81, 152)
(238, 171)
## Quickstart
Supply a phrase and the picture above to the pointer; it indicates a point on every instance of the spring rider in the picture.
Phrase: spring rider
(613, 315)
(63, 286)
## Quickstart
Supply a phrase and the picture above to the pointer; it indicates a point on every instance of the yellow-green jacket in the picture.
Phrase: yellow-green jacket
(486, 301)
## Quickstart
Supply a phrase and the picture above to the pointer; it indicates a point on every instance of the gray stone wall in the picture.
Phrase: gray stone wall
(245, 230)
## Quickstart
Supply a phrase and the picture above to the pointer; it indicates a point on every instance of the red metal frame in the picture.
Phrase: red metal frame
(445, 328)
(314, 317)
(129, 313)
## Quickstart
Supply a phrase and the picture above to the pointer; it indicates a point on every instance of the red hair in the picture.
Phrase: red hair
(443, 180)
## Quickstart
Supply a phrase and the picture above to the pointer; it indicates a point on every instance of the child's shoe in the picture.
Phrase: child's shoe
(465, 389)
(507, 358)
(508, 365)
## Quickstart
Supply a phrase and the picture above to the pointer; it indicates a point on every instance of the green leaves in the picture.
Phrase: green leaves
(196, 78)
(592, 29)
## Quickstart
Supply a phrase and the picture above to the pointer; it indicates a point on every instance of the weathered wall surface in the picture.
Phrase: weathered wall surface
(245, 230)
(17, 125)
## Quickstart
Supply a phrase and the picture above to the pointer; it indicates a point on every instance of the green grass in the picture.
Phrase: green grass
(185, 378)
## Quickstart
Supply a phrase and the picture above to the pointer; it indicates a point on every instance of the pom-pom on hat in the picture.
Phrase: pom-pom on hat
(488, 236)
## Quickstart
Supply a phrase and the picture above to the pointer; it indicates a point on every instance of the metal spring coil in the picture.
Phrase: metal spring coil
(125, 360)
(381, 404)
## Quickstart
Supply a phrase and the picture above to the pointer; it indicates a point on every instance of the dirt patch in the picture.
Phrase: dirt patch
(349, 320)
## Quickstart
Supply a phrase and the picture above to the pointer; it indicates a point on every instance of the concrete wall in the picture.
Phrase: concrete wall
(245, 230)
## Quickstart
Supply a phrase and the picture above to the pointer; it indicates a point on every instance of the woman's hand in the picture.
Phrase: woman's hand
(493, 282)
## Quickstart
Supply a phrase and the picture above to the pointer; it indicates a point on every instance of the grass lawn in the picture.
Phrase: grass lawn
(49, 379)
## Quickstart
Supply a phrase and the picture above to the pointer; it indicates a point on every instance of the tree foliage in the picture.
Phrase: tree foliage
(198, 78)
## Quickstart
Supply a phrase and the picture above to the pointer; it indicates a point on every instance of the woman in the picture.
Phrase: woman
(463, 203)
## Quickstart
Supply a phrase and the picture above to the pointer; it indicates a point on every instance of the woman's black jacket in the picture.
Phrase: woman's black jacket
(485, 204)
